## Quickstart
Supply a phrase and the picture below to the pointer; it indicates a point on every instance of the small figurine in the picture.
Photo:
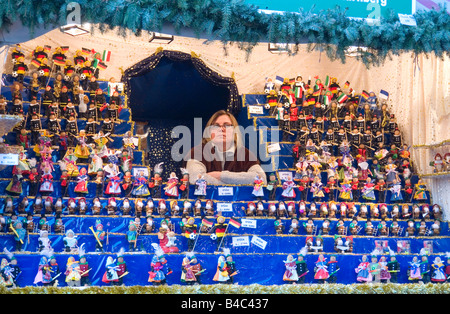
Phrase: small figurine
(221, 274)
(44, 243)
(362, 270)
(290, 275)
(72, 272)
(159, 268)
(321, 269)
(70, 242)
(414, 274)
(437, 268)
(219, 230)
(110, 276)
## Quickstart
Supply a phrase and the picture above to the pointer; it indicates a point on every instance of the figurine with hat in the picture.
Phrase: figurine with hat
(159, 267)
(219, 230)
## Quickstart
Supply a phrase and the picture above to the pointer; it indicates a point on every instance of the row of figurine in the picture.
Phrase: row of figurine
(296, 91)
(380, 269)
(200, 207)
(441, 164)
(86, 63)
(77, 273)
(217, 231)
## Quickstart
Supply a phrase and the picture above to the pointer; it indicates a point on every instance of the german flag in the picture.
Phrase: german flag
(47, 48)
(311, 101)
(86, 50)
(235, 223)
(35, 63)
(64, 49)
(347, 84)
(333, 89)
(316, 93)
(59, 62)
(207, 223)
(102, 66)
(365, 95)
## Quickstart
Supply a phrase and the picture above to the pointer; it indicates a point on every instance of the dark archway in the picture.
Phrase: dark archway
(171, 88)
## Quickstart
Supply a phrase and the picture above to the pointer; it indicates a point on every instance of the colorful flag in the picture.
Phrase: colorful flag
(106, 57)
(292, 81)
(327, 81)
(342, 98)
(327, 98)
(102, 66)
(207, 223)
(347, 84)
(365, 95)
(234, 223)
(86, 50)
(59, 62)
(47, 48)
(279, 80)
(36, 63)
(64, 48)
(298, 92)
(384, 94)
(316, 93)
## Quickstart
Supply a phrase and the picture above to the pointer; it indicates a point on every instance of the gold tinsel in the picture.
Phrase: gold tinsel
(372, 288)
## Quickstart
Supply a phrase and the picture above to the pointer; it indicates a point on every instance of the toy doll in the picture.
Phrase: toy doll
(345, 191)
(149, 207)
(96, 206)
(272, 210)
(8, 206)
(111, 276)
(343, 210)
(222, 274)
(410, 230)
(111, 207)
(281, 212)
(437, 271)
(353, 227)
(309, 227)
(437, 211)
(317, 189)
(362, 270)
(258, 191)
(293, 228)
(48, 205)
(340, 227)
(131, 237)
(126, 208)
(37, 204)
(219, 229)
(81, 187)
(148, 226)
(156, 181)
(43, 275)
(140, 186)
(424, 269)
(44, 243)
(99, 234)
(414, 274)
(368, 227)
(436, 228)
(422, 228)
(302, 209)
(279, 226)
(73, 272)
(19, 234)
(321, 273)
(70, 242)
(288, 188)
(71, 206)
(162, 209)
(301, 266)
(15, 185)
(333, 268)
(112, 173)
(190, 233)
(171, 190)
(260, 210)
(174, 208)
(290, 275)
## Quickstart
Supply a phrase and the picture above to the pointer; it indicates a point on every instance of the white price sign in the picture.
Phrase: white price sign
(272, 148)
(259, 242)
(256, 109)
(225, 207)
(248, 223)
(284, 175)
(240, 241)
(226, 191)
(9, 159)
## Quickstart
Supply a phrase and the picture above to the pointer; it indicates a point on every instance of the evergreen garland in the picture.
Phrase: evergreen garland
(235, 21)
